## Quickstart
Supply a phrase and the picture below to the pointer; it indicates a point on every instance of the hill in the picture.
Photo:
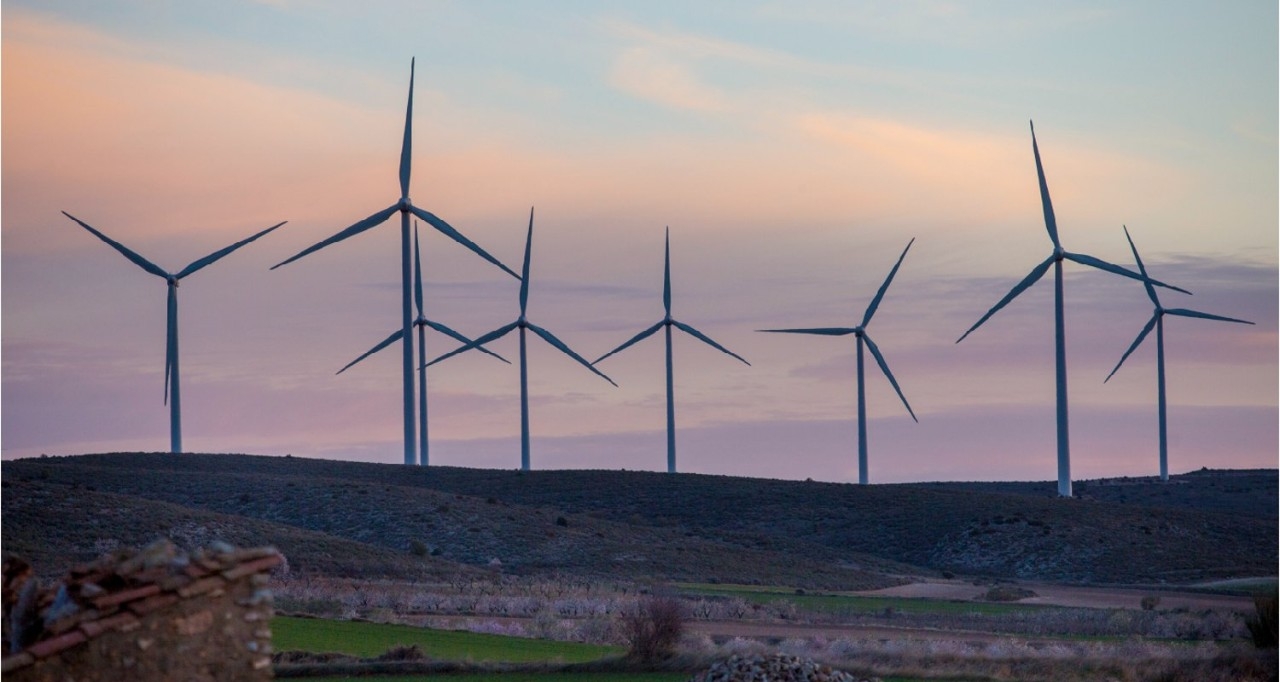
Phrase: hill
(642, 525)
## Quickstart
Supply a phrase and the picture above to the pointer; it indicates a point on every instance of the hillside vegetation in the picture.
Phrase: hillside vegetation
(372, 519)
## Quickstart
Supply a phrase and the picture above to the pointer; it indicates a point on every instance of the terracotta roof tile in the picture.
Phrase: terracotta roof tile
(48, 647)
(116, 598)
(153, 603)
(252, 567)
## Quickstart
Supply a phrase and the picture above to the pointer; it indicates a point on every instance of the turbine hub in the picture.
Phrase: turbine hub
(173, 281)
(859, 331)
(405, 204)
(1058, 253)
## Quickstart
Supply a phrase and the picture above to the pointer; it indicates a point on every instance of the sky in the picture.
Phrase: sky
(793, 148)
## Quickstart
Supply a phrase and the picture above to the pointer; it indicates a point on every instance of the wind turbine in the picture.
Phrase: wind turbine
(172, 394)
(421, 324)
(1055, 259)
(522, 323)
(405, 207)
(864, 339)
(1157, 321)
(668, 322)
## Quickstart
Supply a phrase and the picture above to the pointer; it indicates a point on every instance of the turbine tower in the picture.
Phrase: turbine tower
(404, 206)
(421, 324)
(522, 323)
(1157, 321)
(864, 339)
(172, 395)
(668, 322)
(1055, 259)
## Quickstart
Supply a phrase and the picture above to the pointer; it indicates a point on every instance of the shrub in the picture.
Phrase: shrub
(418, 548)
(1262, 624)
(1008, 593)
(401, 652)
(653, 628)
(1150, 602)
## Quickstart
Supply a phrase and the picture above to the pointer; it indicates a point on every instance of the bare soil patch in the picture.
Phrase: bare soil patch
(1070, 595)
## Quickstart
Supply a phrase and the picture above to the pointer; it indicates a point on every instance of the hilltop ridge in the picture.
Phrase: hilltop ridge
(647, 525)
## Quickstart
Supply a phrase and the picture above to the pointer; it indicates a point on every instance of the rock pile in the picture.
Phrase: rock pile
(775, 668)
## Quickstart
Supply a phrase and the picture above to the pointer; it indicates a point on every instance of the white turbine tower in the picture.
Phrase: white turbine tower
(864, 339)
(404, 206)
(1157, 321)
(420, 323)
(172, 393)
(1055, 260)
(668, 322)
(522, 323)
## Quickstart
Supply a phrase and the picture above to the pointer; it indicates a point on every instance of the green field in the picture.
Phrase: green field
(520, 677)
(367, 640)
(843, 603)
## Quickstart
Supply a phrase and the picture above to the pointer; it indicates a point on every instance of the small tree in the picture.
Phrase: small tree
(654, 627)
(1262, 624)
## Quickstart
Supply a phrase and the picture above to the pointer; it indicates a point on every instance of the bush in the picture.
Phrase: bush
(401, 652)
(1008, 593)
(654, 628)
(418, 548)
(1262, 624)
(1150, 602)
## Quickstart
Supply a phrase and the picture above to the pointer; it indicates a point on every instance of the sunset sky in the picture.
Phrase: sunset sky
(793, 148)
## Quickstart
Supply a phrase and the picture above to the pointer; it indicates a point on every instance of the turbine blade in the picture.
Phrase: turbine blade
(1124, 272)
(1142, 269)
(635, 339)
(370, 222)
(448, 231)
(459, 337)
(707, 340)
(666, 276)
(170, 339)
(551, 339)
(1036, 273)
(1183, 312)
(1151, 324)
(491, 336)
(124, 250)
(884, 367)
(395, 336)
(417, 267)
(1050, 222)
(406, 149)
(524, 271)
(875, 302)
(216, 255)
(822, 331)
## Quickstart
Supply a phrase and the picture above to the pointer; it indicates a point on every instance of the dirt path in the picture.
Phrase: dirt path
(767, 629)
(1066, 595)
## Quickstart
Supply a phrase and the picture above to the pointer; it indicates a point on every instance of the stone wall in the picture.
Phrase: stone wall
(155, 615)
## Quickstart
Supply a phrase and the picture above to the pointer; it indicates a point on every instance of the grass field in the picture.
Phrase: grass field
(554, 677)
(367, 640)
(840, 603)
(520, 677)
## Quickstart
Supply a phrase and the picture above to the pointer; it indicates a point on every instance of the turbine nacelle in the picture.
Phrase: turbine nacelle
(405, 205)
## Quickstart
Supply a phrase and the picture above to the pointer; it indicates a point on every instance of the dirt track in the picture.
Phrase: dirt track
(1066, 595)
(774, 629)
